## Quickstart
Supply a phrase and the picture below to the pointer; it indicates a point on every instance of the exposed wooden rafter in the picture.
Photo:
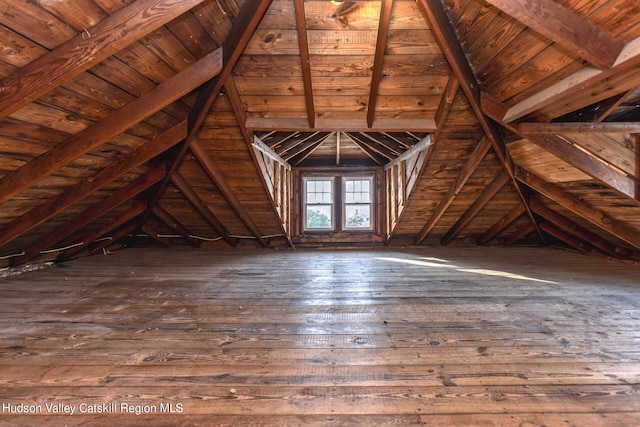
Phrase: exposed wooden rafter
(87, 49)
(376, 72)
(452, 49)
(303, 43)
(563, 27)
(624, 70)
(201, 207)
(580, 208)
(504, 222)
(113, 124)
(487, 194)
(227, 192)
(116, 199)
(162, 214)
(465, 173)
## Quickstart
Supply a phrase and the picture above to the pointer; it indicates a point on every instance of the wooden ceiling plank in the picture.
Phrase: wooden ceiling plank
(487, 194)
(192, 197)
(628, 60)
(245, 24)
(589, 164)
(527, 128)
(465, 173)
(571, 227)
(238, 110)
(565, 28)
(88, 186)
(378, 58)
(90, 237)
(87, 49)
(301, 156)
(580, 208)
(303, 42)
(569, 152)
(113, 124)
(174, 224)
(504, 222)
(228, 193)
(452, 49)
(88, 215)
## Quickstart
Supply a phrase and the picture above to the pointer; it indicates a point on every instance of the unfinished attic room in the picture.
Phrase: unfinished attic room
(320, 213)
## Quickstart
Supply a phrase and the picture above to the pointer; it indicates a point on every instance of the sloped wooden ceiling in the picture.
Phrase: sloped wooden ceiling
(183, 122)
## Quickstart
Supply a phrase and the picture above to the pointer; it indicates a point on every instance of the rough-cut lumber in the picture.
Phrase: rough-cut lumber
(87, 49)
(566, 29)
(113, 124)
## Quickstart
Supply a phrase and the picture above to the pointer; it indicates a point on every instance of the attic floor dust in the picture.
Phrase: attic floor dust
(433, 336)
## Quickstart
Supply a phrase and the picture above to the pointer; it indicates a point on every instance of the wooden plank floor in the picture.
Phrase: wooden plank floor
(434, 336)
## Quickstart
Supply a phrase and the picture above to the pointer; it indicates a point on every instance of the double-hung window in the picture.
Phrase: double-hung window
(338, 203)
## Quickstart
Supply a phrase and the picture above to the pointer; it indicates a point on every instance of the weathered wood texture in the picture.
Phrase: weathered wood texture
(393, 337)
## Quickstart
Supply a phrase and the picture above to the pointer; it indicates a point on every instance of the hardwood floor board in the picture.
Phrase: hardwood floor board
(386, 337)
(325, 375)
(347, 400)
(557, 420)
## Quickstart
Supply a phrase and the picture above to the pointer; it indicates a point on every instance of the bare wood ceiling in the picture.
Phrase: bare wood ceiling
(133, 122)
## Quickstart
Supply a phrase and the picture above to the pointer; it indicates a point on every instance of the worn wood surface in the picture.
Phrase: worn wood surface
(292, 337)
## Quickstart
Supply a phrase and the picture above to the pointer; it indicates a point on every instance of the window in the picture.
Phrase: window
(357, 203)
(319, 203)
(338, 203)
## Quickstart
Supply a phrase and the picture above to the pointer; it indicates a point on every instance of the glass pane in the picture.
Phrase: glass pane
(357, 216)
(319, 216)
(357, 191)
(319, 191)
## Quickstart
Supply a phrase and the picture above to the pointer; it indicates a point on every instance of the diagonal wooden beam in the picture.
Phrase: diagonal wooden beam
(86, 187)
(86, 50)
(117, 235)
(88, 215)
(566, 238)
(151, 232)
(90, 237)
(564, 28)
(370, 152)
(579, 207)
(487, 194)
(245, 24)
(171, 221)
(446, 102)
(376, 72)
(236, 105)
(452, 49)
(526, 128)
(227, 192)
(192, 197)
(303, 43)
(373, 145)
(316, 138)
(574, 229)
(627, 63)
(465, 173)
(566, 150)
(504, 222)
(520, 233)
(118, 121)
(305, 151)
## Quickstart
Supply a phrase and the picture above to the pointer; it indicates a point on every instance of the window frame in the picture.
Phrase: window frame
(306, 204)
(339, 179)
(345, 203)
